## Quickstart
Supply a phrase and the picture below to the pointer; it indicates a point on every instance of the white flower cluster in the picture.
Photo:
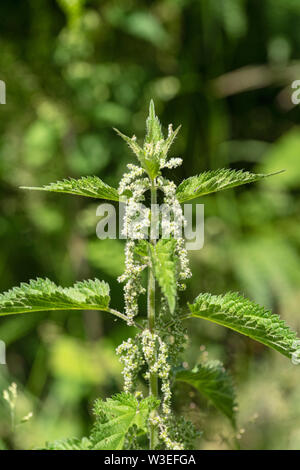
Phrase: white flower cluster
(137, 217)
(134, 173)
(174, 227)
(133, 229)
(10, 395)
(172, 163)
(156, 355)
(131, 358)
(133, 287)
(185, 271)
(154, 352)
(136, 221)
(164, 433)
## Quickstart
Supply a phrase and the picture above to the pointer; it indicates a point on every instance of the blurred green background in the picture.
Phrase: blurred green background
(221, 68)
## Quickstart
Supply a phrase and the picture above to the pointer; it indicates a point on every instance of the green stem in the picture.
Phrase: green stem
(153, 382)
(122, 316)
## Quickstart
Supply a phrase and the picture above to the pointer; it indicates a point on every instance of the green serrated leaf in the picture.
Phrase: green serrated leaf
(212, 381)
(43, 295)
(153, 136)
(115, 416)
(246, 317)
(153, 126)
(89, 186)
(169, 141)
(134, 146)
(165, 266)
(151, 165)
(142, 248)
(215, 180)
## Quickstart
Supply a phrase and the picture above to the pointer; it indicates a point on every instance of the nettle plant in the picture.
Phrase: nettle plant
(130, 420)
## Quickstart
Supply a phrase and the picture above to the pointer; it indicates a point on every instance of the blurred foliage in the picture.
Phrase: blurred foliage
(221, 68)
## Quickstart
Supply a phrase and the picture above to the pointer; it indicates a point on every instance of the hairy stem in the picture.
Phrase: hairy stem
(122, 316)
(153, 382)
